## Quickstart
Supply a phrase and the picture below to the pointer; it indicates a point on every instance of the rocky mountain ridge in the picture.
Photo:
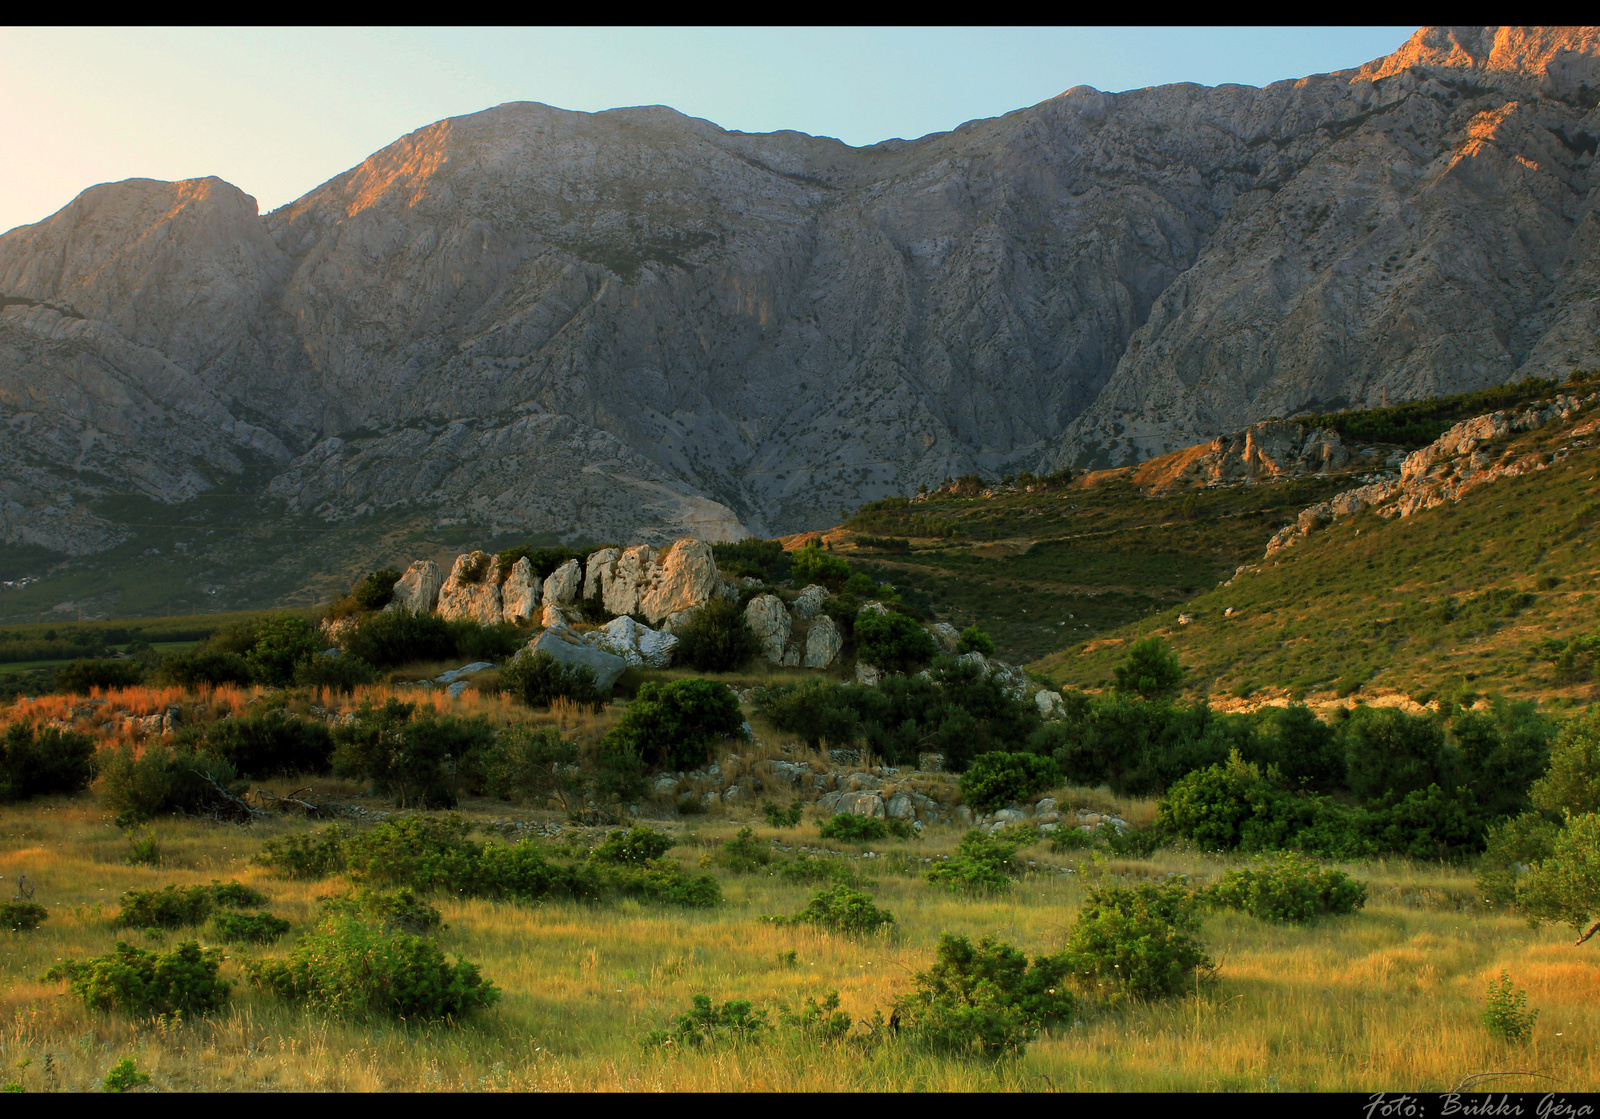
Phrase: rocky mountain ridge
(531, 320)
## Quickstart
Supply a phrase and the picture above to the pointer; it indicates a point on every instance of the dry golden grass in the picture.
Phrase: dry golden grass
(1388, 998)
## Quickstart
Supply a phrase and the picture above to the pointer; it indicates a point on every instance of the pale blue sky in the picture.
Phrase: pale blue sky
(277, 111)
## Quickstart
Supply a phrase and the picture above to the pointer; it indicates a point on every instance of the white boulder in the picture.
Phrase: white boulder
(823, 643)
(809, 602)
(770, 622)
(519, 594)
(418, 589)
(472, 590)
(563, 584)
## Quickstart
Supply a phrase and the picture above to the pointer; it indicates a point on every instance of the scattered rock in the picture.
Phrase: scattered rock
(867, 675)
(808, 603)
(1049, 704)
(948, 636)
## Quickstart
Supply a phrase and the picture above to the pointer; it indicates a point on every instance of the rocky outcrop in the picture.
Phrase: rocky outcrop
(472, 590)
(809, 602)
(640, 646)
(657, 583)
(562, 585)
(1453, 465)
(519, 595)
(769, 621)
(823, 643)
(418, 589)
(1262, 452)
(563, 643)
(947, 635)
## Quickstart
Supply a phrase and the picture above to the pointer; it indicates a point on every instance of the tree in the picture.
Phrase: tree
(893, 642)
(1151, 670)
(717, 638)
(282, 642)
(812, 565)
(1566, 886)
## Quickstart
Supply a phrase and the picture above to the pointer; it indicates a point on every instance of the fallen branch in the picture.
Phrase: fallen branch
(1592, 930)
(241, 812)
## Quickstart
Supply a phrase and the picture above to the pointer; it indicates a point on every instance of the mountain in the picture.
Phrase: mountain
(631, 324)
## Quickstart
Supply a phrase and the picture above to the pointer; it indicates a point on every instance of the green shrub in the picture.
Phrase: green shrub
(538, 680)
(194, 669)
(124, 1076)
(531, 765)
(180, 983)
(760, 559)
(43, 762)
(811, 564)
(1137, 942)
(707, 1025)
(1390, 752)
(620, 774)
(855, 829)
(974, 640)
(376, 590)
(485, 643)
(783, 817)
(980, 863)
(348, 968)
(175, 906)
(817, 1020)
(394, 637)
(419, 758)
(164, 779)
(995, 780)
(79, 677)
(987, 998)
(248, 928)
(717, 638)
(400, 911)
(673, 726)
(341, 673)
(423, 852)
(144, 850)
(1572, 781)
(744, 853)
(1565, 886)
(282, 642)
(1151, 669)
(22, 916)
(271, 743)
(844, 910)
(893, 642)
(1291, 888)
(635, 847)
(306, 856)
(665, 880)
(1505, 1014)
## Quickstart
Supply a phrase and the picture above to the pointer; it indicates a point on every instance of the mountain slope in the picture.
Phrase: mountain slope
(633, 324)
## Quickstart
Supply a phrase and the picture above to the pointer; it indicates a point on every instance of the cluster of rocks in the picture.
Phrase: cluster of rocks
(1459, 461)
(1047, 817)
(798, 635)
(1263, 452)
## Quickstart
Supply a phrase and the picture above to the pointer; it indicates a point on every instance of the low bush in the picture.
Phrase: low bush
(348, 968)
(164, 779)
(43, 762)
(538, 680)
(717, 638)
(400, 911)
(423, 852)
(854, 829)
(893, 642)
(376, 590)
(1505, 1012)
(531, 765)
(974, 640)
(674, 726)
(282, 642)
(1291, 888)
(195, 669)
(390, 638)
(22, 916)
(175, 906)
(485, 643)
(986, 999)
(79, 677)
(843, 909)
(248, 928)
(707, 1025)
(342, 673)
(783, 817)
(818, 1020)
(980, 863)
(124, 1076)
(1151, 669)
(421, 758)
(997, 779)
(180, 983)
(635, 847)
(306, 856)
(665, 881)
(811, 564)
(271, 743)
(1138, 942)
(744, 853)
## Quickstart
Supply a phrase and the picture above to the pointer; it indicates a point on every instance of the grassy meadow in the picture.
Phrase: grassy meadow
(1388, 997)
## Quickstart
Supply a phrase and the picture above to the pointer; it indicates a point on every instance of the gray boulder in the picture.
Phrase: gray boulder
(418, 589)
(563, 643)
(823, 643)
(562, 587)
(809, 602)
(519, 595)
(770, 622)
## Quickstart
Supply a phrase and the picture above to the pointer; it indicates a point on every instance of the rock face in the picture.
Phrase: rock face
(658, 344)
(658, 583)
(1460, 460)
(823, 643)
(562, 585)
(519, 595)
(563, 643)
(1262, 452)
(418, 589)
(472, 590)
(769, 621)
